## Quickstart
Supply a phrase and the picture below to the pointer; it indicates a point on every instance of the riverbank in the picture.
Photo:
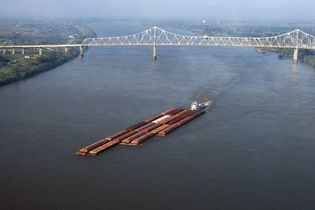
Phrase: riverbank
(309, 60)
(306, 56)
(18, 66)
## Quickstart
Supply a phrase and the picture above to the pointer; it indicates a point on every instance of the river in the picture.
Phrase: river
(255, 148)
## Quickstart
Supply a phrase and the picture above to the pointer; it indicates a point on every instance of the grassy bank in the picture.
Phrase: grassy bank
(307, 56)
(17, 67)
(309, 59)
(25, 68)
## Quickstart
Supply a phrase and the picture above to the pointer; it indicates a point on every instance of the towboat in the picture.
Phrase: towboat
(200, 106)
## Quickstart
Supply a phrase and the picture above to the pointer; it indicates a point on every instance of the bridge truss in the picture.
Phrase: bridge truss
(160, 37)
(155, 36)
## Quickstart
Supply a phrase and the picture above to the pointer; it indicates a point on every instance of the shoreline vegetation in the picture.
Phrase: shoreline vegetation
(309, 59)
(306, 56)
(258, 29)
(18, 66)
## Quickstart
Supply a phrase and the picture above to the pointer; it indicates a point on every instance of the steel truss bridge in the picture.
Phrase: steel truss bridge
(155, 36)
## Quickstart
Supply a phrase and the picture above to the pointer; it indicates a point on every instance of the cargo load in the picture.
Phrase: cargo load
(159, 124)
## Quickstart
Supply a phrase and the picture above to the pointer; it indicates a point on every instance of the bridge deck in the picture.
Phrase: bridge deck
(159, 37)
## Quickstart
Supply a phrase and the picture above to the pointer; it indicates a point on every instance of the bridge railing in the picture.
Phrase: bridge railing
(157, 36)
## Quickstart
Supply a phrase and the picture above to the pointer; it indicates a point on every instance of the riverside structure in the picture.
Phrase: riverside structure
(156, 36)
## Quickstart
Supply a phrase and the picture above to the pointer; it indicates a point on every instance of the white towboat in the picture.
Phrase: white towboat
(200, 106)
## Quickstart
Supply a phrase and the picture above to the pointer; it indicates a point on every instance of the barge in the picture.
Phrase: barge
(157, 125)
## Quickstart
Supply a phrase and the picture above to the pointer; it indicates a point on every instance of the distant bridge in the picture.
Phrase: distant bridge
(155, 36)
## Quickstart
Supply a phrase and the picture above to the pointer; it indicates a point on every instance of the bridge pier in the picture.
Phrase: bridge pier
(40, 51)
(4, 51)
(296, 56)
(81, 52)
(154, 52)
(66, 50)
(23, 51)
(13, 51)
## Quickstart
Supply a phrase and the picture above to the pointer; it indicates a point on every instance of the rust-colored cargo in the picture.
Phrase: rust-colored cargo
(197, 114)
(154, 117)
(130, 133)
(158, 120)
(103, 147)
(142, 138)
(165, 121)
(144, 126)
(132, 137)
(86, 149)
(111, 137)
(152, 127)
(185, 112)
(160, 124)
(175, 120)
(179, 123)
(162, 127)
(181, 116)
(168, 129)
(189, 112)
(137, 125)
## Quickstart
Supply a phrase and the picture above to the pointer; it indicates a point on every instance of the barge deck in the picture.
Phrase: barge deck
(160, 124)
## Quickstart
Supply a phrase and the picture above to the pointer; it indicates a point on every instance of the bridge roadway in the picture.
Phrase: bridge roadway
(155, 36)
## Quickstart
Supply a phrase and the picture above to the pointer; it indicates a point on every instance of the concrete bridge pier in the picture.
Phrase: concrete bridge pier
(23, 51)
(81, 52)
(296, 56)
(40, 51)
(13, 51)
(154, 52)
(4, 51)
(66, 50)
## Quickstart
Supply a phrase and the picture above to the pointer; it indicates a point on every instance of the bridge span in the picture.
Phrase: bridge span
(156, 36)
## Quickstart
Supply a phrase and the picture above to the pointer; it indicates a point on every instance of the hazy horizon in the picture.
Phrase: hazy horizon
(239, 10)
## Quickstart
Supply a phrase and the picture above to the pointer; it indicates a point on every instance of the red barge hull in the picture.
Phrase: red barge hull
(160, 124)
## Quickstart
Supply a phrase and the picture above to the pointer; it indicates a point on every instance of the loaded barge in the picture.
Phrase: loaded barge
(160, 124)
